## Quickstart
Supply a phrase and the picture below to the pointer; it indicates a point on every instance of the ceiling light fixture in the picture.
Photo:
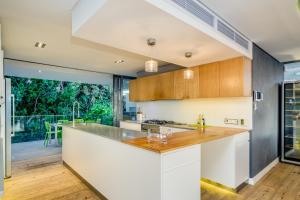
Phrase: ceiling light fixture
(119, 61)
(151, 65)
(188, 73)
(40, 45)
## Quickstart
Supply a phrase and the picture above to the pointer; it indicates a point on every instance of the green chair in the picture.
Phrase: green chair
(90, 121)
(59, 136)
(48, 134)
(59, 129)
(93, 121)
(63, 121)
(79, 121)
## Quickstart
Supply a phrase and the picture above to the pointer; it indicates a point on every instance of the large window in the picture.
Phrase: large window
(37, 101)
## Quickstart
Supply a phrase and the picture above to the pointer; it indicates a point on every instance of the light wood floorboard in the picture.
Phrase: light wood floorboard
(45, 178)
(40, 180)
(281, 183)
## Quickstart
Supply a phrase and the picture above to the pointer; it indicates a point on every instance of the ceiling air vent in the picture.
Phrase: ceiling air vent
(233, 35)
(198, 11)
(226, 30)
(241, 41)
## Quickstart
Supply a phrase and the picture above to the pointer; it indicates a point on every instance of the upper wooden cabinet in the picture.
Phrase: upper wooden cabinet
(229, 78)
(235, 77)
(165, 86)
(146, 88)
(186, 88)
(150, 88)
(192, 85)
(179, 85)
(133, 88)
(209, 80)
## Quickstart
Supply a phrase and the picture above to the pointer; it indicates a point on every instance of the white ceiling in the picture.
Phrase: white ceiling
(127, 24)
(25, 22)
(273, 24)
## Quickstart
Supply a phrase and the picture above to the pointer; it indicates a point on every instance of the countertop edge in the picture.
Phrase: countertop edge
(205, 140)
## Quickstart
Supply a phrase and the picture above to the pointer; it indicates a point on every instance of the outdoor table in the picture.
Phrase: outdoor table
(55, 125)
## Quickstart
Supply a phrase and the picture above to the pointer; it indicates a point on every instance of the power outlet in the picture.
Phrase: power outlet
(234, 121)
(231, 121)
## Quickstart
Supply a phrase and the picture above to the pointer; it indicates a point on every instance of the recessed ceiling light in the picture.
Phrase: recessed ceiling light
(119, 61)
(40, 45)
(40, 71)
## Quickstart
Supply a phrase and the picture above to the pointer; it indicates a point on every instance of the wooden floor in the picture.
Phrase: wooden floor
(36, 180)
(281, 183)
(44, 179)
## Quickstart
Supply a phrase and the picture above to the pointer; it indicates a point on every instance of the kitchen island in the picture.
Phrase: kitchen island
(122, 165)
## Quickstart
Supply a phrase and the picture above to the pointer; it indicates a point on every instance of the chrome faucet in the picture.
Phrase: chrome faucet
(74, 104)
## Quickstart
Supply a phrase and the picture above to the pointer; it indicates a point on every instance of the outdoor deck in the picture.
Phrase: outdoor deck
(30, 155)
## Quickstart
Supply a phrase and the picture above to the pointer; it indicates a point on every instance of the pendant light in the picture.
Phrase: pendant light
(188, 73)
(151, 65)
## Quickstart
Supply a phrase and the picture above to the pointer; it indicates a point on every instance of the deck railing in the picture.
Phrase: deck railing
(31, 128)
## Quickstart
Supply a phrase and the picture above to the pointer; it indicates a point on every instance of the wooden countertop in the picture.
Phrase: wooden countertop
(185, 139)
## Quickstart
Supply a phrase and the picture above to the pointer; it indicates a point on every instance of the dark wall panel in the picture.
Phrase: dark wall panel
(267, 74)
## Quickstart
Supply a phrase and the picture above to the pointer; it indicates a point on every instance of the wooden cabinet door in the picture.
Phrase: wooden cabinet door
(229, 78)
(186, 89)
(192, 85)
(209, 82)
(179, 85)
(146, 88)
(164, 86)
(133, 90)
(150, 88)
(235, 77)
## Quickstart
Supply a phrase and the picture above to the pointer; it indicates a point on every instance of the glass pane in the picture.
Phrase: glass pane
(291, 140)
(38, 101)
(129, 108)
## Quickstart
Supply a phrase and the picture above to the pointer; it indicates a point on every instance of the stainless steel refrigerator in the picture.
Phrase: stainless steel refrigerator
(290, 135)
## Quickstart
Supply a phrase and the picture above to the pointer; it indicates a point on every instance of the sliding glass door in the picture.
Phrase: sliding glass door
(9, 119)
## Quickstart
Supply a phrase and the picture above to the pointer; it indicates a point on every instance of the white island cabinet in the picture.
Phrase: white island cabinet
(226, 161)
(124, 172)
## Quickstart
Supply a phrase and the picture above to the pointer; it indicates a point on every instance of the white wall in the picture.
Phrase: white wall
(214, 109)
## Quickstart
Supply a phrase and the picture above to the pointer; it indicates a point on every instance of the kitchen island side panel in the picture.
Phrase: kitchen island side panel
(116, 170)
(124, 172)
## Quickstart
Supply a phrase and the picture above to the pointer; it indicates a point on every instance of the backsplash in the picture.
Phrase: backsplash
(215, 110)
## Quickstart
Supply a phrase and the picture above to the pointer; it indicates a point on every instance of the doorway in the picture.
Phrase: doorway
(36, 107)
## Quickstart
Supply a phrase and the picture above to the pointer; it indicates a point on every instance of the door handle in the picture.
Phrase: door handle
(13, 115)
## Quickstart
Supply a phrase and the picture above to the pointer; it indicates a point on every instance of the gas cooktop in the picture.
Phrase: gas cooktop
(161, 122)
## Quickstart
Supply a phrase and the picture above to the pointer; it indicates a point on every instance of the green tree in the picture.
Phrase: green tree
(48, 97)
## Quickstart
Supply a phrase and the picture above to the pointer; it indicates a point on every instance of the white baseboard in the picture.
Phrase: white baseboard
(254, 180)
